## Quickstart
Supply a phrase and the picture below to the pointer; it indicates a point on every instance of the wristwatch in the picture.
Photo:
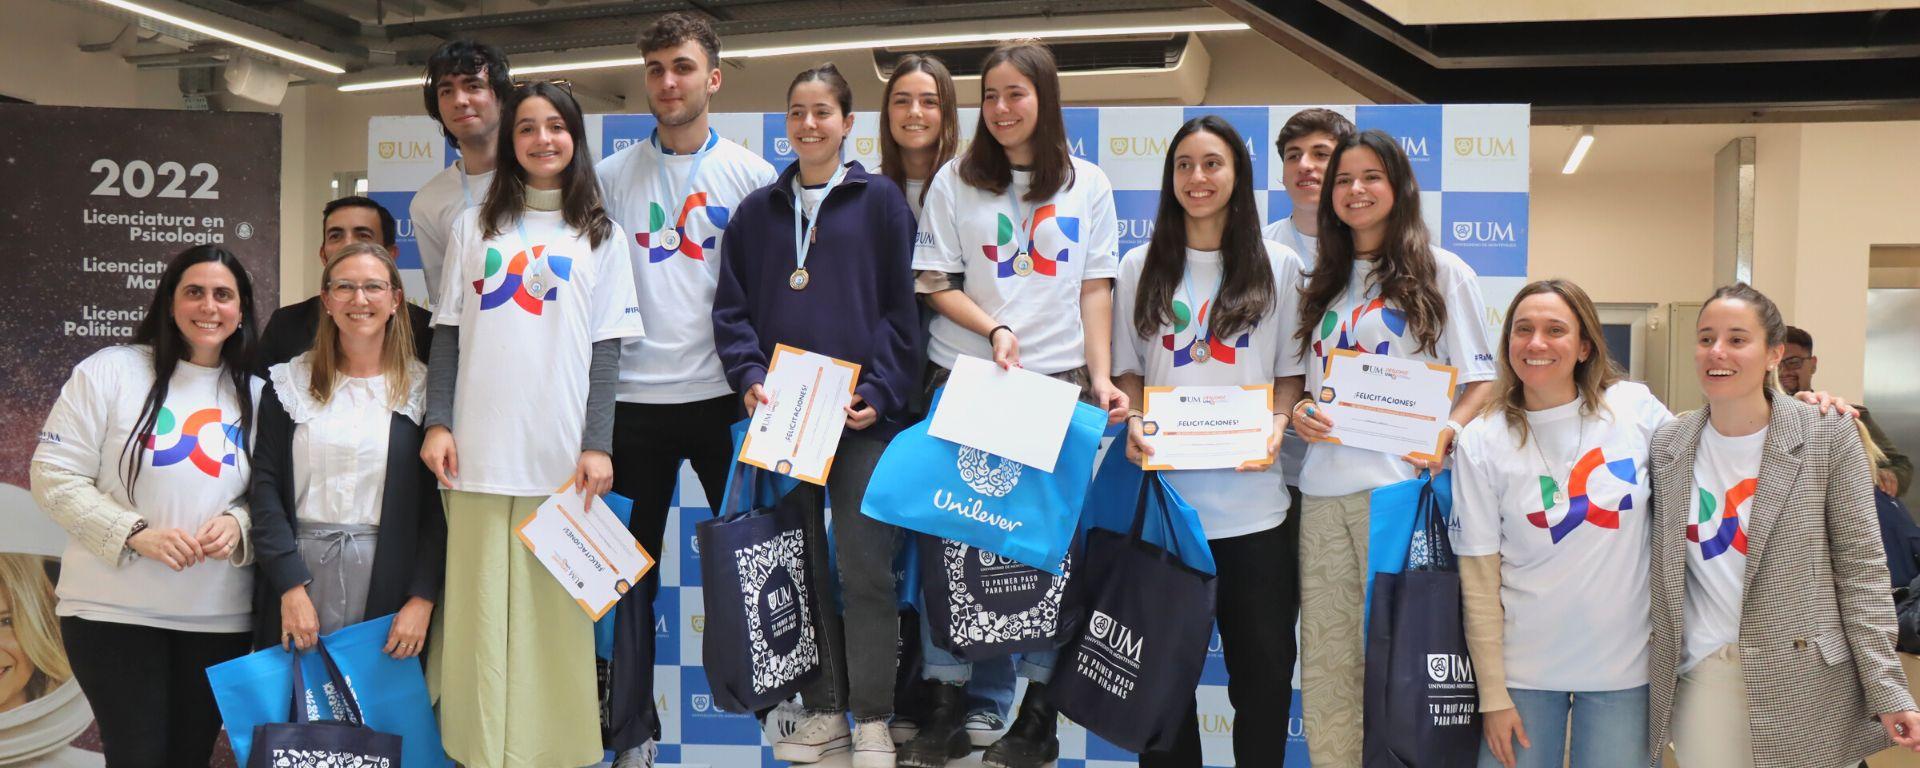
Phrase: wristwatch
(138, 526)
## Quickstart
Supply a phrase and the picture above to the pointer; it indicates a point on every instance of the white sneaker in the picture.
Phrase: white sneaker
(872, 745)
(639, 757)
(782, 720)
(819, 735)
(984, 728)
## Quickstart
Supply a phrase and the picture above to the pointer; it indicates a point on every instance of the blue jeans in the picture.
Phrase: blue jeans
(991, 689)
(1609, 729)
(945, 667)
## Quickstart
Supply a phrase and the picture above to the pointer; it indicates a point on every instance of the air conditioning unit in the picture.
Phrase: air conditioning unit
(1145, 69)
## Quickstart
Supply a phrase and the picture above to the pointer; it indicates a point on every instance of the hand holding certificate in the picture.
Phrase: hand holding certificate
(799, 432)
(1221, 427)
(1386, 404)
(586, 548)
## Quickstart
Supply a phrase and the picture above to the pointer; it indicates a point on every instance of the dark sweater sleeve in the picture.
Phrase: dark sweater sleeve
(603, 376)
(889, 380)
(734, 336)
(430, 564)
(272, 529)
(281, 340)
(442, 370)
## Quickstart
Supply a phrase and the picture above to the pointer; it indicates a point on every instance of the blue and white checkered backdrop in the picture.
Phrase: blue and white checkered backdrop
(1472, 165)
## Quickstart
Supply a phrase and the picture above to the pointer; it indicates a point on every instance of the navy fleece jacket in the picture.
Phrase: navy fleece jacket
(858, 306)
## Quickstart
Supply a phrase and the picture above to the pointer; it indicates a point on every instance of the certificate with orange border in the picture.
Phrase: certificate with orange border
(1216, 427)
(1388, 404)
(586, 547)
(799, 432)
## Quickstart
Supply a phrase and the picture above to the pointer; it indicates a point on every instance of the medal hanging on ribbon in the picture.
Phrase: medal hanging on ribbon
(534, 277)
(1201, 350)
(803, 242)
(670, 239)
(1022, 259)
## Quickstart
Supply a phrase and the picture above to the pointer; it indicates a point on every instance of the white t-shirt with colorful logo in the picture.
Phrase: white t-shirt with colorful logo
(1726, 473)
(1230, 503)
(195, 468)
(1035, 290)
(1360, 320)
(675, 227)
(529, 310)
(1567, 514)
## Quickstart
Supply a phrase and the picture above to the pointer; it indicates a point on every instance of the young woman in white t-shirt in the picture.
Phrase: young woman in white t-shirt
(1017, 252)
(1773, 635)
(1550, 522)
(1378, 285)
(520, 391)
(144, 462)
(1208, 302)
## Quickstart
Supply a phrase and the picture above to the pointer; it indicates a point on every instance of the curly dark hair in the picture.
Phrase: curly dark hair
(676, 28)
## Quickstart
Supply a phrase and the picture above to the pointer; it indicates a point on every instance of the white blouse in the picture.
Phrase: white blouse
(340, 447)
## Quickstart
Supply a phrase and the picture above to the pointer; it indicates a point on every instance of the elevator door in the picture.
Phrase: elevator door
(1893, 369)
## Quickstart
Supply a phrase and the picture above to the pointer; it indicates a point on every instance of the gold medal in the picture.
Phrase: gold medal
(1023, 264)
(798, 280)
(1201, 352)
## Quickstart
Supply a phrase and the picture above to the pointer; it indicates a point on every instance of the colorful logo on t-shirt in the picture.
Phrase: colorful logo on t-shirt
(531, 293)
(1371, 327)
(1581, 506)
(1183, 352)
(187, 446)
(1035, 261)
(1730, 532)
(662, 241)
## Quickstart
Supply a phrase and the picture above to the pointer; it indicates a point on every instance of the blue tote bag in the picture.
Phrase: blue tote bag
(391, 693)
(333, 742)
(1392, 511)
(949, 491)
(1110, 506)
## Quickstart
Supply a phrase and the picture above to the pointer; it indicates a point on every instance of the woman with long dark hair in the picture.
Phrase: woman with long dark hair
(1773, 636)
(341, 533)
(919, 125)
(1208, 302)
(1378, 285)
(1016, 252)
(144, 461)
(854, 302)
(520, 392)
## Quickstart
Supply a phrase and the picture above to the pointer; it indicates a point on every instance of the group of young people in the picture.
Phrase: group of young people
(1712, 579)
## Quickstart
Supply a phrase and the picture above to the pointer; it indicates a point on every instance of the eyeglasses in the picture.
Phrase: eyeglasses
(343, 290)
(1792, 363)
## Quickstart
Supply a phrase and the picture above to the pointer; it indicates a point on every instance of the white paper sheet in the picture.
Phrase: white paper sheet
(1016, 414)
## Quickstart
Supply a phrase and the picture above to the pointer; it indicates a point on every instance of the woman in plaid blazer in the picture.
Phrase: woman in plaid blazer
(1773, 628)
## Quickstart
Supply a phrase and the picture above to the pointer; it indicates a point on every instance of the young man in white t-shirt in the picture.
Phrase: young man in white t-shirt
(673, 195)
(1306, 144)
(465, 86)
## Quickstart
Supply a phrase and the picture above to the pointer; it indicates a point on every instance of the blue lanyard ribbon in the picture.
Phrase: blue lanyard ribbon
(804, 241)
(693, 172)
(1201, 330)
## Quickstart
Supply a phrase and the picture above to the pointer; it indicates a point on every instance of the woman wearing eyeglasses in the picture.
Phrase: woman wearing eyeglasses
(346, 523)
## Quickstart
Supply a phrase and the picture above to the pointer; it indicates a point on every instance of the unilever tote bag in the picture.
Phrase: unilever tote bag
(337, 742)
(1420, 702)
(760, 644)
(390, 694)
(1129, 671)
(949, 491)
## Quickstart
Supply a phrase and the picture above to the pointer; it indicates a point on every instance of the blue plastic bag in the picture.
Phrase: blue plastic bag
(943, 489)
(392, 693)
(1111, 503)
(1392, 511)
(603, 629)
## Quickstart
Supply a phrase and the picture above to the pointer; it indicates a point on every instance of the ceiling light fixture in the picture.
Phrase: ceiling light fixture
(1579, 151)
(230, 37)
(793, 50)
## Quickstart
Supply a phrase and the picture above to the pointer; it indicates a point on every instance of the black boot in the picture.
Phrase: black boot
(943, 734)
(1031, 741)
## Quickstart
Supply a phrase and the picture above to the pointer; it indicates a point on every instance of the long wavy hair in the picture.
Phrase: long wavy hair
(580, 203)
(396, 345)
(1591, 377)
(161, 332)
(1246, 278)
(29, 592)
(985, 166)
(892, 165)
(1404, 269)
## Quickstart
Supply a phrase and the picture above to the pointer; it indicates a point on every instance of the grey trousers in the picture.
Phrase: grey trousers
(864, 625)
